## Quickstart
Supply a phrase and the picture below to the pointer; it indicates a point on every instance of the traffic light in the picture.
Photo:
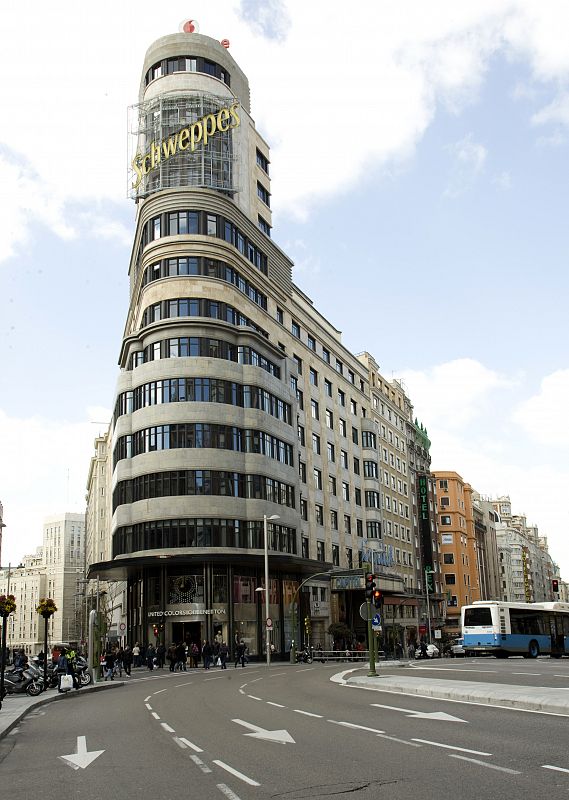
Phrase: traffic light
(307, 625)
(370, 585)
(555, 585)
(377, 598)
(430, 579)
(156, 631)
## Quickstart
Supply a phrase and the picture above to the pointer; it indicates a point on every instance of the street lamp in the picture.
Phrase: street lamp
(266, 543)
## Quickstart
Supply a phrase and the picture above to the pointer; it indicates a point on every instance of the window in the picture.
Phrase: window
(443, 485)
(280, 315)
(304, 510)
(327, 387)
(305, 550)
(317, 475)
(326, 355)
(345, 491)
(373, 530)
(444, 501)
(311, 341)
(320, 553)
(298, 363)
(349, 558)
(319, 515)
(262, 161)
(355, 436)
(332, 485)
(302, 471)
(339, 367)
(358, 496)
(331, 453)
(359, 527)
(344, 459)
(316, 443)
(263, 194)
(341, 397)
(313, 377)
(445, 520)
(329, 419)
(342, 427)
(351, 376)
(314, 409)
(372, 499)
(336, 555)
(295, 328)
(448, 558)
(370, 469)
(353, 407)
(347, 524)
(356, 466)
(368, 439)
(334, 520)
(450, 579)
(300, 434)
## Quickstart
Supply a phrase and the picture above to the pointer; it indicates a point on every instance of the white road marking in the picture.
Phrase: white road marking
(235, 772)
(227, 791)
(83, 757)
(167, 727)
(280, 736)
(276, 674)
(160, 691)
(191, 744)
(189, 683)
(458, 669)
(155, 715)
(179, 742)
(559, 676)
(200, 763)
(353, 725)
(401, 741)
(148, 706)
(307, 713)
(526, 673)
(557, 769)
(486, 764)
(254, 697)
(278, 705)
(452, 747)
(440, 715)
(218, 678)
(146, 699)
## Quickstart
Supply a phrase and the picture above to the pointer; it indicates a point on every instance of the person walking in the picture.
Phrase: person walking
(136, 655)
(171, 657)
(150, 655)
(161, 655)
(127, 660)
(109, 664)
(223, 654)
(240, 654)
(181, 658)
(207, 654)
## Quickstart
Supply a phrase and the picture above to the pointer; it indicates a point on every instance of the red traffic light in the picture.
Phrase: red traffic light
(377, 598)
(555, 585)
(370, 585)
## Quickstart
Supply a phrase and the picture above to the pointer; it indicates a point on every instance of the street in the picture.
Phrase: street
(287, 731)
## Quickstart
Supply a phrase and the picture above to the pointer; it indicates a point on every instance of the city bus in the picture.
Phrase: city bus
(507, 629)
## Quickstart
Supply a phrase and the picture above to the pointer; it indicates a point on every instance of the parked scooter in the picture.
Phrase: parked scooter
(22, 681)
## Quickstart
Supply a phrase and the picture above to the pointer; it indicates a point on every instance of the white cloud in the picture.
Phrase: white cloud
(503, 180)
(544, 416)
(337, 95)
(468, 159)
(557, 111)
(43, 471)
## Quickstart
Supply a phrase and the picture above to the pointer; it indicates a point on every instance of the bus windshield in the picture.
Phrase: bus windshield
(476, 616)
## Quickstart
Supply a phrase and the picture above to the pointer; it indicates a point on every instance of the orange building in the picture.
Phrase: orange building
(455, 517)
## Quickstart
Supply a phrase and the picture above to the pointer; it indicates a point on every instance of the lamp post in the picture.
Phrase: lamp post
(266, 543)
(293, 610)
(46, 609)
(7, 605)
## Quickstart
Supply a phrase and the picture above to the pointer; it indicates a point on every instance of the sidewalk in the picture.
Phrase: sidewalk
(538, 698)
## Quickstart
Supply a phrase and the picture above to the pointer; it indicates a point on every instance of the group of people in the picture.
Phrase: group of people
(117, 659)
(179, 656)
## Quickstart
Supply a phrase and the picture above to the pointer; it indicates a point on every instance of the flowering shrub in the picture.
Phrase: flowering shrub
(7, 604)
(46, 607)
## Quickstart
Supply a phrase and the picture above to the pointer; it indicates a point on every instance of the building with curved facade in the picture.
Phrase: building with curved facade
(236, 398)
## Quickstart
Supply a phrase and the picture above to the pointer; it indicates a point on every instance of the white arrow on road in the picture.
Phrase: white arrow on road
(282, 737)
(424, 714)
(82, 758)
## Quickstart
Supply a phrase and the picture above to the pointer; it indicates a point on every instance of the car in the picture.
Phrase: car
(456, 649)
(432, 652)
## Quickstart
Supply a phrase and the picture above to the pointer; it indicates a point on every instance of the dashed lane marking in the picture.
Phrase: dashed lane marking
(486, 764)
(191, 745)
(353, 725)
(236, 773)
(146, 699)
(400, 741)
(254, 697)
(551, 766)
(307, 713)
(155, 715)
(200, 763)
(167, 727)
(278, 705)
(179, 742)
(452, 747)
(148, 706)
(223, 787)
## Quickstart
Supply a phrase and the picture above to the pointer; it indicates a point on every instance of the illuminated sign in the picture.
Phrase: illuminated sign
(188, 612)
(187, 138)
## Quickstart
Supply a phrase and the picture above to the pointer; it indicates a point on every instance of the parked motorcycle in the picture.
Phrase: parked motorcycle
(304, 656)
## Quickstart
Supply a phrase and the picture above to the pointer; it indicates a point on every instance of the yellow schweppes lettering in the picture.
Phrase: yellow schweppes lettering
(186, 139)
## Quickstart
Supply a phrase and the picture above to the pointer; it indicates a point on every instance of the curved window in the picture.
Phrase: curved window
(202, 482)
(202, 435)
(184, 221)
(201, 390)
(197, 307)
(203, 347)
(202, 532)
(206, 267)
(169, 66)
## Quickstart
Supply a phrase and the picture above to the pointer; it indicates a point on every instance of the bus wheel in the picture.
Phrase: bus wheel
(533, 649)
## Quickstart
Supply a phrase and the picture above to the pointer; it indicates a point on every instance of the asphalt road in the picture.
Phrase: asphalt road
(285, 732)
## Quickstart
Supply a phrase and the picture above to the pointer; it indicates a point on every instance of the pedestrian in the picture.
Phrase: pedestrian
(423, 650)
(207, 653)
(150, 656)
(127, 660)
(240, 654)
(119, 652)
(161, 655)
(181, 658)
(109, 664)
(223, 655)
(411, 650)
(171, 657)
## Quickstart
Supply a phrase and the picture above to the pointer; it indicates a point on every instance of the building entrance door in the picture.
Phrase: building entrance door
(187, 632)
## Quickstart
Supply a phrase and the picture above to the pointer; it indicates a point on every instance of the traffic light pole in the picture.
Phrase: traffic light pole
(370, 643)
(427, 571)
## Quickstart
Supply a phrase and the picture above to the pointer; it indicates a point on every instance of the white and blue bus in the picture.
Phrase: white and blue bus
(508, 629)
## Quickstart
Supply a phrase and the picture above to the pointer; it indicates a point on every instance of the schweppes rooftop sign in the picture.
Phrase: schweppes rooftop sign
(199, 132)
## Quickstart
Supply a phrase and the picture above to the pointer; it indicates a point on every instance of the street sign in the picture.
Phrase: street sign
(438, 634)
(376, 619)
(363, 611)
(269, 623)
(122, 626)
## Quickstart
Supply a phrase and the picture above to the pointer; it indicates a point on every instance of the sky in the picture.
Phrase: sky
(419, 181)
